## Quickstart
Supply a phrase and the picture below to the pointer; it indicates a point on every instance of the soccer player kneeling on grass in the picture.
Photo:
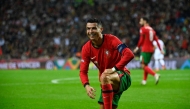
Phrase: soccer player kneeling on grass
(110, 56)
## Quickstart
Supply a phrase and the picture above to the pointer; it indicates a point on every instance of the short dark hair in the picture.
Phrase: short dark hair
(146, 19)
(95, 20)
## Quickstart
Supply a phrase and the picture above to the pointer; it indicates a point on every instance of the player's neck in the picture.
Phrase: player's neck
(146, 24)
(98, 43)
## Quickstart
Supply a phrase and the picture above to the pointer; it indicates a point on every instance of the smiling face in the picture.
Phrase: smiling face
(94, 33)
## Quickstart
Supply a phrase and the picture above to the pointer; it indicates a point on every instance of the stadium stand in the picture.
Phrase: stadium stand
(55, 28)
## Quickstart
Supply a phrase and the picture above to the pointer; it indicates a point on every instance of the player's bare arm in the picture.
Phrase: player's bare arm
(136, 49)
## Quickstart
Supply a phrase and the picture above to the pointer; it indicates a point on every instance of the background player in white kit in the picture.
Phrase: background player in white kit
(158, 56)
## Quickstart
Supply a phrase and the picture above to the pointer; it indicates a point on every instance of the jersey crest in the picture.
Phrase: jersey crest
(107, 53)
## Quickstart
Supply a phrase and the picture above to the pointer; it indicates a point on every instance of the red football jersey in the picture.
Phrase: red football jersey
(147, 36)
(105, 57)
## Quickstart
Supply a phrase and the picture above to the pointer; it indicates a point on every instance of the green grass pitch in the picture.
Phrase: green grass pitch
(62, 89)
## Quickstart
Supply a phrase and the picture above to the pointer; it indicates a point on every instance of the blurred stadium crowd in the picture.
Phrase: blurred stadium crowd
(56, 28)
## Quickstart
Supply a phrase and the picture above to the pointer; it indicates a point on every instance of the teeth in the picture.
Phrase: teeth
(91, 35)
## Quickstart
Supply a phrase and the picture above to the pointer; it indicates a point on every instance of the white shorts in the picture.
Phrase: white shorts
(158, 56)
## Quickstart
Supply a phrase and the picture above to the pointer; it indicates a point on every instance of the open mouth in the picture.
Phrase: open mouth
(92, 36)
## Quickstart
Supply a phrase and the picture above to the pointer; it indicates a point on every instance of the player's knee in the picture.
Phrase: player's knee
(104, 78)
(143, 65)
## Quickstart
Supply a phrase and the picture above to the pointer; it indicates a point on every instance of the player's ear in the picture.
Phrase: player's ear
(101, 29)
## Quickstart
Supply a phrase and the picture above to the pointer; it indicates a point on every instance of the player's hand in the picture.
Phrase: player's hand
(108, 71)
(136, 49)
(90, 91)
(163, 52)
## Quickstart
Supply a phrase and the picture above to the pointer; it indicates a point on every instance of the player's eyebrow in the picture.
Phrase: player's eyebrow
(91, 27)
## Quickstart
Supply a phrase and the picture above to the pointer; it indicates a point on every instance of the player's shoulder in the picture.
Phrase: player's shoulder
(142, 29)
(160, 41)
(87, 44)
(148, 27)
(110, 37)
(154, 42)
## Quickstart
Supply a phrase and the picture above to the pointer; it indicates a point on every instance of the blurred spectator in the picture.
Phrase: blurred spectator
(2, 42)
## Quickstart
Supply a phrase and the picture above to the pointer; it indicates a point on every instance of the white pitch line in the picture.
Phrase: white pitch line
(56, 81)
(14, 84)
(175, 77)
